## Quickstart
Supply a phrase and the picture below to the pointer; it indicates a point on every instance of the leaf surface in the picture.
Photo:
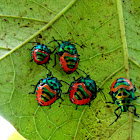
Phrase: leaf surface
(110, 32)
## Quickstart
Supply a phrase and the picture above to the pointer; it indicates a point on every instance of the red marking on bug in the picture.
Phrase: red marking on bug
(72, 94)
(64, 63)
(45, 59)
(39, 93)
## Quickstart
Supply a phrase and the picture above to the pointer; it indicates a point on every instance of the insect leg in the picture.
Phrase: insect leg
(55, 59)
(116, 115)
(100, 90)
(134, 111)
(35, 86)
(136, 97)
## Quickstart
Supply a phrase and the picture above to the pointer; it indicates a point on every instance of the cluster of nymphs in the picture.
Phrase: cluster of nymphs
(82, 90)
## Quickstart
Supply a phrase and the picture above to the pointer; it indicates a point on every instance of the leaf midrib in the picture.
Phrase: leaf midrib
(125, 50)
(43, 28)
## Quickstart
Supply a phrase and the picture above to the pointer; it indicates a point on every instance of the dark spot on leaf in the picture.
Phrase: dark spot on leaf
(50, 13)
(71, 114)
(18, 23)
(31, 8)
(77, 35)
(81, 18)
(108, 106)
(45, 4)
(26, 26)
(49, 28)
(57, 120)
(40, 36)
(91, 44)
(5, 20)
(111, 3)
(8, 48)
(50, 126)
(88, 19)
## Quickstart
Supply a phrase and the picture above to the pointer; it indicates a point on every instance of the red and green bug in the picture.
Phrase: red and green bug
(122, 93)
(82, 91)
(40, 54)
(47, 90)
(68, 56)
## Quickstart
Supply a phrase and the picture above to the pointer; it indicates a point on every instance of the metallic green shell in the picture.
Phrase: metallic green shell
(53, 83)
(123, 102)
(72, 61)
(90, 84)
(121, 81)
(50, 94)
(41, 47)
(67, 47)
(123, 97)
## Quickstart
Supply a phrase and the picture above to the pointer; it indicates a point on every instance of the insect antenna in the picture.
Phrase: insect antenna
(100, 90)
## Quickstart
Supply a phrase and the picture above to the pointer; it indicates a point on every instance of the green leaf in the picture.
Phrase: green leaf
(110, 31)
